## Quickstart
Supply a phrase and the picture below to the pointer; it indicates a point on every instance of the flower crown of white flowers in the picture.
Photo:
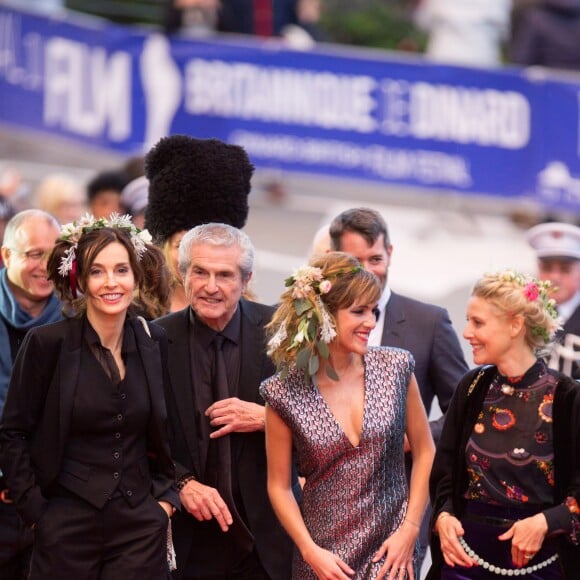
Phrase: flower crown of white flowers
(72, 232)
(537, 291)
(316, 329)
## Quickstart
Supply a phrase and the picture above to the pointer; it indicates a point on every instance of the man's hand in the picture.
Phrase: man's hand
(235, 416)
(204, 503)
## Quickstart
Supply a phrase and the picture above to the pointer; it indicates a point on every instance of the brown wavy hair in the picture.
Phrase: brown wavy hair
(150, 272)
(349, 282)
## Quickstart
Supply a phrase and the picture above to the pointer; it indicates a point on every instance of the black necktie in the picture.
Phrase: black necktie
(220, 372)
(219, 458)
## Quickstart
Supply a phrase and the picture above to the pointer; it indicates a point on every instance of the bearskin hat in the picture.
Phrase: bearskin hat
(193, 182)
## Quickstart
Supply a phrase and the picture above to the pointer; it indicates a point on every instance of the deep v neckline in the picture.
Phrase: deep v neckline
(337, 422)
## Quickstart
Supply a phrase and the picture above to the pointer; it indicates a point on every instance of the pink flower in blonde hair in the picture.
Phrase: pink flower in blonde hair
(531, 291)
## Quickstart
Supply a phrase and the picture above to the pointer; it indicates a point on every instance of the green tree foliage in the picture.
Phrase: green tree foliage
(123, 11)
(373, 23)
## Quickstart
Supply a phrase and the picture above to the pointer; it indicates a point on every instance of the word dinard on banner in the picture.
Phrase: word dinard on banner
(346, 113)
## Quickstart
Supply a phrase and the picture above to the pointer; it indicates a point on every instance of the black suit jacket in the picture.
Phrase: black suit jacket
(272, 543)
(38, 410)
(571, 326)
(426, 331)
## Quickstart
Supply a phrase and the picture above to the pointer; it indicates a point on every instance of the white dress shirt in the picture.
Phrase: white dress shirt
(566, 309)
(377, 332)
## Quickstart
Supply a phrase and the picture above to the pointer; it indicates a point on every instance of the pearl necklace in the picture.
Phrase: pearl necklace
(505, 571)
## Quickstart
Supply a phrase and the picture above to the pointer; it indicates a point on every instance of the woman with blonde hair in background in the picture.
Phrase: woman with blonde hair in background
(193, 182)
(61, 195)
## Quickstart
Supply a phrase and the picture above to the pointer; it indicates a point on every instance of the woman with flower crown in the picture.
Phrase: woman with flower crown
(83, 439)
(341, 409)
(505, 484)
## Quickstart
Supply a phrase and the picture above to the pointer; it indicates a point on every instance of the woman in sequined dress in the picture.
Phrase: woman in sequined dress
(505, 485)
(343, 410)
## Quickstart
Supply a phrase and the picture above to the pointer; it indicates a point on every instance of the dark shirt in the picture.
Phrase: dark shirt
(103, 354)
(202, 357)
(201, 344)
(510, 454)
(108, 424)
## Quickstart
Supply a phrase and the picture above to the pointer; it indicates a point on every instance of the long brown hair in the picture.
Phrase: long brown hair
(348, 282)
(150, 272)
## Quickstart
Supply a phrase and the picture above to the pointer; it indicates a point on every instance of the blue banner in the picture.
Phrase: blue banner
(348, 113)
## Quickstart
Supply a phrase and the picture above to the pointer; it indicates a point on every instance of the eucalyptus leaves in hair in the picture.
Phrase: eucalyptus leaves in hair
(304, 325)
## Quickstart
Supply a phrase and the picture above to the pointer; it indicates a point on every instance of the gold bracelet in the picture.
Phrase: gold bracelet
(443, 515)
(412, 523)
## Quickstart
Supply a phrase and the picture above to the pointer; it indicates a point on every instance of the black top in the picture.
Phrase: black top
(510, 454)
(449, 479)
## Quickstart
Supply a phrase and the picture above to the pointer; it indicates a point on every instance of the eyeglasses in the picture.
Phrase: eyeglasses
(33, 255)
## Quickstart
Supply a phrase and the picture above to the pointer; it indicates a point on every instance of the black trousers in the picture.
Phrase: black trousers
(248, 568)
(15, 543)
(204, 552)
(75, 540)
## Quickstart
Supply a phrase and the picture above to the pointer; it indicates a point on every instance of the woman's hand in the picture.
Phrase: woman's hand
(167, 507)
(399, 550)
(527, 537)
(326, 565)
(449, 529)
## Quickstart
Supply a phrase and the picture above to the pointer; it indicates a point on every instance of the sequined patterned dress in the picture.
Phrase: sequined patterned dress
(354, 497)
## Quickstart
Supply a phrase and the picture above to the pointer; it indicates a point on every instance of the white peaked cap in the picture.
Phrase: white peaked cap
(555, 240)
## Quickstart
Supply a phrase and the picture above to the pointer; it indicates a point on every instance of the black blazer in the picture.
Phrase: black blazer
(38, 409)
(572, 326)
(426, 331)
(272, 543)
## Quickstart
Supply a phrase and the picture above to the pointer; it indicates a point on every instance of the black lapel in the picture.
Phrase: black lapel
(180, 374)
(69, 366)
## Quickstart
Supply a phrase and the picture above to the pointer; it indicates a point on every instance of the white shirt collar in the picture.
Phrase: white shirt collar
(566, 309)
(376, 334)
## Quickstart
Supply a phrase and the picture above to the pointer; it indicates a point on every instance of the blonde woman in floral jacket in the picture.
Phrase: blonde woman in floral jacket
(505, 485)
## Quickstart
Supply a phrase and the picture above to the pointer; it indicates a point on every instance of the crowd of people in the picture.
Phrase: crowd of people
(160, 422)
(480, 33)
(490, 32)
(295, 20)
